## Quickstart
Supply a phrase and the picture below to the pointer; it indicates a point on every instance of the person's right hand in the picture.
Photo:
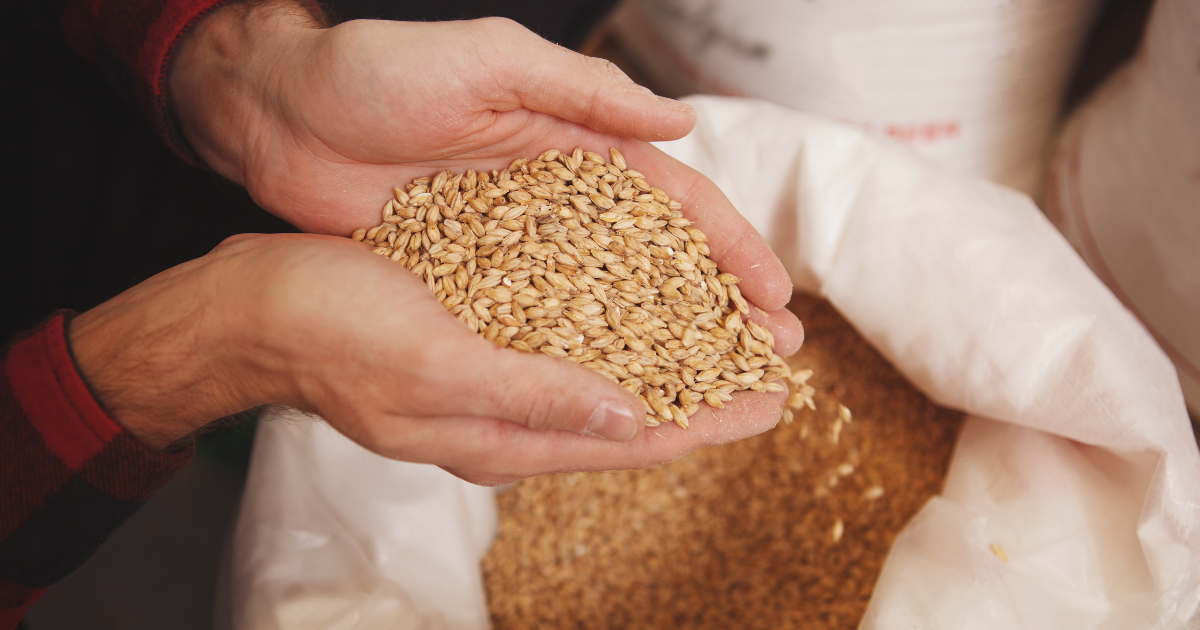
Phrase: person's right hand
(319, 124)
(322, 324)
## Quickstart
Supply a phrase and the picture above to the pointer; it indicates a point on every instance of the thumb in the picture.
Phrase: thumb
(586, 90)
(547, 394)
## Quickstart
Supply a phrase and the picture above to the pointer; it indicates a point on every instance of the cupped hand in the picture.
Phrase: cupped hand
(322, 324)
(320, 124)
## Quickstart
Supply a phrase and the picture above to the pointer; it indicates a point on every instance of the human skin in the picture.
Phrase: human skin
(322, 324)
(319, 125)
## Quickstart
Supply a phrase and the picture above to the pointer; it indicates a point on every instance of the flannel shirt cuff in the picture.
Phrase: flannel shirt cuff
(132, 44)
(69, 474)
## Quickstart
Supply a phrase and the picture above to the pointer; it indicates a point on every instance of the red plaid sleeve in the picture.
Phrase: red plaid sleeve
(69, 474)
(131, 41)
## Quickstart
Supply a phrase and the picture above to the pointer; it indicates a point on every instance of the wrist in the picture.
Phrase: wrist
(225, 75)
(167, 357)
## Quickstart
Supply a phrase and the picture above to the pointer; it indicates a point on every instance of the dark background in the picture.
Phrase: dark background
(91, 203)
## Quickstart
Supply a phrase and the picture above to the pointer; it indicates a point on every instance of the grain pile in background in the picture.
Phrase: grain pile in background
(788, 529)
(579, 258)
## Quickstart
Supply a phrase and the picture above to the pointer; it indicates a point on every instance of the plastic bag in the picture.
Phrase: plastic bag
(1078, 461)
(333, 537)
(977, 84)
(1124, 185)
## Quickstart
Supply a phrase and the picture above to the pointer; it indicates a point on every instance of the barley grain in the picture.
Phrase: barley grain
(575, 257)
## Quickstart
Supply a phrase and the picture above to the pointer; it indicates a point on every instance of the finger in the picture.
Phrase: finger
(545, 393)
(519, 455)
(593, 92)
(733, 243)
(784, 326)
(491, 452)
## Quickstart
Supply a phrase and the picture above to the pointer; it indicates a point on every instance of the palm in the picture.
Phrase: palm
(323, 293)
(321, 124)
(359, 122)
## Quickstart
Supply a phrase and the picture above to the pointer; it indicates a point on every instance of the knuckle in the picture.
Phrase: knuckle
(234, 241)
(605, 68)
(544, 407)
(501, 27)
(345, 35)
(429, 360)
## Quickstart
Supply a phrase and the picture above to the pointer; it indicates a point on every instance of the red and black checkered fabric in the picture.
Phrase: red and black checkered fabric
(131, 43)
(69, 474)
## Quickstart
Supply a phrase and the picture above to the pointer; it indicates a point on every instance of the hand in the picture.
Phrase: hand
(320, 124)
(324, 325)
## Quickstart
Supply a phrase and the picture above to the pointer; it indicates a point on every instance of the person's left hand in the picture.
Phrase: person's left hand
(324, 325)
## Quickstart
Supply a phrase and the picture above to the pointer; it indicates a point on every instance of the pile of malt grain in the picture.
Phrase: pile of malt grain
(788, 529)
(579, 258)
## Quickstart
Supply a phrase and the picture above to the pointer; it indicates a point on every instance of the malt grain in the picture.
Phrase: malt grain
(582, 259)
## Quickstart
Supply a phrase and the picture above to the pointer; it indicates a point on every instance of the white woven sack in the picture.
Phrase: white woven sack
(976, 84)
(1124, 185)
(1077, 459)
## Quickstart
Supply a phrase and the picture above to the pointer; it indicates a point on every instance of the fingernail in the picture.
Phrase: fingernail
(612, 420)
